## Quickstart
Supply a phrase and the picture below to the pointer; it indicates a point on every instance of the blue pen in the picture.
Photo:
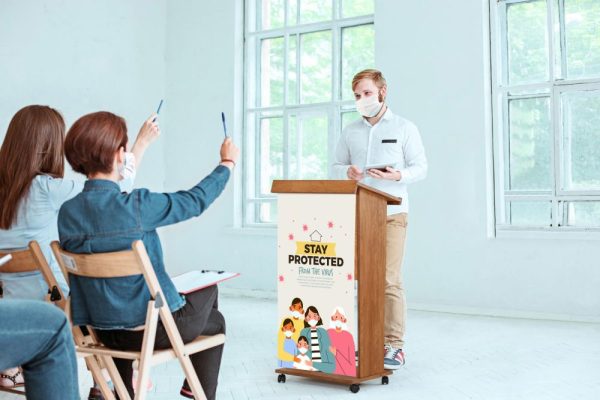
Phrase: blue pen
(224, 126)
(158, 109)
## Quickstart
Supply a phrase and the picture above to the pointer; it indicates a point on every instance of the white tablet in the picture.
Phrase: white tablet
(380, 167)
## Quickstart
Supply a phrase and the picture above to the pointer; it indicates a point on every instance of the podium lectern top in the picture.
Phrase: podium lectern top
(326, 186)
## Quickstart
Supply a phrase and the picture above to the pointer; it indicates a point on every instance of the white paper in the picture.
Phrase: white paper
(196, 280)
(5, 259)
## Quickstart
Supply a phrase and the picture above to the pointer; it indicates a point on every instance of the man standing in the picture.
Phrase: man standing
(382, 138)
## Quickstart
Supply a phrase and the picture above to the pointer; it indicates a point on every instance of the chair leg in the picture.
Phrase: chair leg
(116, 378)
(143, 378)
(192, 377)
(92, 364)
(147, 351)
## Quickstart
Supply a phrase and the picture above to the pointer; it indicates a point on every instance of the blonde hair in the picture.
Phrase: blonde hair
(375, 75)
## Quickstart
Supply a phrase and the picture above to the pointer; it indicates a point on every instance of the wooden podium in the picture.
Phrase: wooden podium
(369, 272)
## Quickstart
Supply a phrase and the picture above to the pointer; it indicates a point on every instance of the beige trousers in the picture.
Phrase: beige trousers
(395, 301)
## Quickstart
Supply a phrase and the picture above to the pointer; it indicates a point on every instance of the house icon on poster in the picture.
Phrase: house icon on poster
(315, 236)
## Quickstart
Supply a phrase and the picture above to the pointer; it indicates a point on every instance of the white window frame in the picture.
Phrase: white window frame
(553, 88)
(333, 109)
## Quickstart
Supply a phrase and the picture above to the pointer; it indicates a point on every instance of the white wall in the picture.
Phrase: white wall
(85, 56)
(202, 69)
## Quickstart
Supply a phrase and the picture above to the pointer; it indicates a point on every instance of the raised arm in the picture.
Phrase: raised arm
(160, 209)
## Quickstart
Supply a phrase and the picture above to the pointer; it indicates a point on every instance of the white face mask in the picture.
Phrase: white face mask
(337, 324)
(127, 169)
(313, 322)
(288, 334)
(302, 350)
(369, 106)
(296, 314)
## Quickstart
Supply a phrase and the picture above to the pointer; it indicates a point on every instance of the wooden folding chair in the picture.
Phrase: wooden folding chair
(129, 263)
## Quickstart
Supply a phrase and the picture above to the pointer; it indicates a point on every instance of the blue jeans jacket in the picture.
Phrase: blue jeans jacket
(103, 219)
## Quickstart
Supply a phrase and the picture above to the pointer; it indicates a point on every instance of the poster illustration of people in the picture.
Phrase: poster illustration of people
(315, 262)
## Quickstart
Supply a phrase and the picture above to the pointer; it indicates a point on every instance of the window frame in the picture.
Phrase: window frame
(556, 85)
(333, 109)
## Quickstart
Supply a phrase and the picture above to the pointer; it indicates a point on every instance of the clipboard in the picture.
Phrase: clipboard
(196, 280)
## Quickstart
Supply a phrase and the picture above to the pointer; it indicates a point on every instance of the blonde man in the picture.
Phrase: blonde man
(384, 139)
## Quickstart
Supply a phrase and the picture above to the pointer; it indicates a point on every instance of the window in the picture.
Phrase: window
(300, 57)
(546, 98)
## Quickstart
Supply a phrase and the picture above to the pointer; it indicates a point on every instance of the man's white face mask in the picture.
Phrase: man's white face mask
(288, 334)
(369, 106)
(127, 169)
(296, 314)
(302, 350)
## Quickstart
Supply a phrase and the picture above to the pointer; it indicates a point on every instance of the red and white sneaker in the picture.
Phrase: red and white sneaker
(394, 358)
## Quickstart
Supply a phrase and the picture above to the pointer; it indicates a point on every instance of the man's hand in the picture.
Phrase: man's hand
(355, 173)
(390, 174)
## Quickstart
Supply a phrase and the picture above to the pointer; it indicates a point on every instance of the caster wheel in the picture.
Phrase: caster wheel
(281, 378)
(385, 380)
(354, 388)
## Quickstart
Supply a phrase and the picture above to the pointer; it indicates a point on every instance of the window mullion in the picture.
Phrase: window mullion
(562, 38)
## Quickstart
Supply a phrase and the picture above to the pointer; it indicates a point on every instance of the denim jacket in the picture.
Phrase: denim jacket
(103, 219)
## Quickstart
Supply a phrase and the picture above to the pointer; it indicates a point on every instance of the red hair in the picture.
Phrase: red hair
(93, 140)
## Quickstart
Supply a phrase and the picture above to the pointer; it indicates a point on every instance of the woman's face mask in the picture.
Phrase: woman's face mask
(127, 169)
(369, 106)
(313, 322)
(302, 350)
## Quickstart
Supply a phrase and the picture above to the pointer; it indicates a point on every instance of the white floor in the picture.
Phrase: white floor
(448, 357)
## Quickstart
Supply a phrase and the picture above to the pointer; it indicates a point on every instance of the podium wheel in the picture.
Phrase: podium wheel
(354, 388)
(385, 380)
(281, 378)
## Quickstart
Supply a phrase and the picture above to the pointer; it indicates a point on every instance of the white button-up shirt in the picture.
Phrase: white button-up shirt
(393, 140)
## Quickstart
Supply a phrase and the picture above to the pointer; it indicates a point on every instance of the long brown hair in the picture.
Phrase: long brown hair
(33, 146)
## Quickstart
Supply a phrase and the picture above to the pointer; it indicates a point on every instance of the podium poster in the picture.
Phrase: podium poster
(315, 263)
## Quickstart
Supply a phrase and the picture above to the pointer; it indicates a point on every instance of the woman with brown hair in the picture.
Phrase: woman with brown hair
(32, 190)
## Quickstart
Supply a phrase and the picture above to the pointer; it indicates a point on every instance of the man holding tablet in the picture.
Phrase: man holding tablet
(384, 150)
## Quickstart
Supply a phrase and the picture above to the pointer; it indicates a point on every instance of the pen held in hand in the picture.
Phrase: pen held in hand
(158, 109)
(224, 126)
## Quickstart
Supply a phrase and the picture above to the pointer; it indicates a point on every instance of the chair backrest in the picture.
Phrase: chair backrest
(109, 265)
(32, 259)
(22, 261)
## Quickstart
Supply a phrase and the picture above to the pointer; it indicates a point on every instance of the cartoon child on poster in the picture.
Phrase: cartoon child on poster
(288, 334)
(302, 360)
(342, 344)
(321, 357)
